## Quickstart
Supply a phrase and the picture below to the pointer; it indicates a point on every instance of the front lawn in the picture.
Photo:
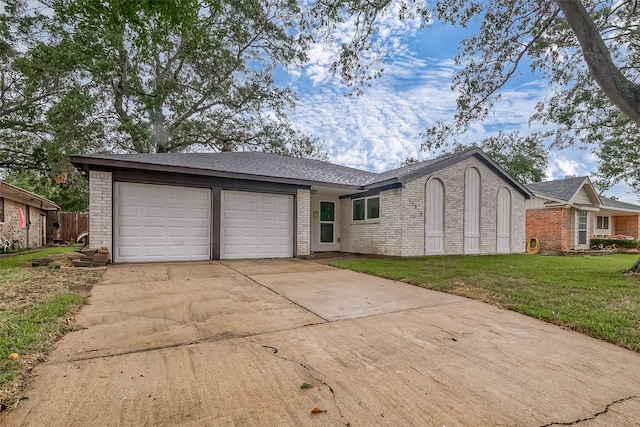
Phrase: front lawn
(36, 308)
(588, 294)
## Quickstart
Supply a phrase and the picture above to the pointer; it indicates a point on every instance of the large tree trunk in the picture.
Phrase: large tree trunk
(635, 268)
(624, 93)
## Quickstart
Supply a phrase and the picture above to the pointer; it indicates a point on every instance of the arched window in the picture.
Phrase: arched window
(504, 221)
(434, 227)
(472, 211)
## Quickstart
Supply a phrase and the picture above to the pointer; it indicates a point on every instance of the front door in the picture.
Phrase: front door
(325, 224)
(583, 227)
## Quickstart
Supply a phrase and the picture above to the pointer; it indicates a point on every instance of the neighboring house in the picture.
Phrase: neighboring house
(23, 216)
(566, 214)
(201, 206)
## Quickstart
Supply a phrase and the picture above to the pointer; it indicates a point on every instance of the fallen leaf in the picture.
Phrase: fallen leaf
(14, 356)
(305, 385)
(317, 411)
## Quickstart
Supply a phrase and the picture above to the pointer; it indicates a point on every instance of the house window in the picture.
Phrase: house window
(366, 208)
(602, 223)
(1, 209)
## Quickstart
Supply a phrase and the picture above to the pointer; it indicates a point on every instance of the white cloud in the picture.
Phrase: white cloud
(561, 166)
(379, 129)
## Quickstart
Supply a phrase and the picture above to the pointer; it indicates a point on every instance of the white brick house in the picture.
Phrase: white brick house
(163, 207)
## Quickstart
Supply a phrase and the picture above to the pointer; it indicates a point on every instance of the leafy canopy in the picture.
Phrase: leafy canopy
(586, 50)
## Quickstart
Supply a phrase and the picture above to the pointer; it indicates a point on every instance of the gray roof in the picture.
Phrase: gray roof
(276, 168)
(616, 204)
(253, 163)
(561, 189)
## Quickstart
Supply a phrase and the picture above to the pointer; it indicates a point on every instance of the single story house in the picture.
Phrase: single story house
(201, 206)
(567, 213)
(23, 216)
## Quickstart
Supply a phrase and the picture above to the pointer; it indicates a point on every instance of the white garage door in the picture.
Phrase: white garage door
(256, 225)
(161, 223)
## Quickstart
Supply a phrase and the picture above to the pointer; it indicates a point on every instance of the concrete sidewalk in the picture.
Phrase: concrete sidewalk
(230, 343)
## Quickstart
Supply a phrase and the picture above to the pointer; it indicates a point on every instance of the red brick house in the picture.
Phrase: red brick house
(566, 214)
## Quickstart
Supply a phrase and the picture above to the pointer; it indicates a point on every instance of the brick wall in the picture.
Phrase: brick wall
(629, 225)
(303, 223)
(100, 209)
(400, 230)
(552, 226)
(10, 228)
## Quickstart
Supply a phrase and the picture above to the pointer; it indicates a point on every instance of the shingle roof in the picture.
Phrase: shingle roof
(253, 163)
(616, 204)
(561, 189)
(277, 168)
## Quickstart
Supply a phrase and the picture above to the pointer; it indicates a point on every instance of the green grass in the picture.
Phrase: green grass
(27, 332)
(588, 294)
(35, 304)
(19, 260)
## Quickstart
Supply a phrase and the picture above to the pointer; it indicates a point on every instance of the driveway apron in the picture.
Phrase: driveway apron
(292, 342)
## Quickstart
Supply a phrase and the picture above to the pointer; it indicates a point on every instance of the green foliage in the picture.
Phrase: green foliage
(588, 294)
(21, 331)
(80, 77)
(71, 192)
(524, 158)
(593, 96)
(184, 74)
(618, 243)
(20, 260)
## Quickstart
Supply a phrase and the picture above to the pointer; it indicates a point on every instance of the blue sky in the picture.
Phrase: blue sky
(379, 129)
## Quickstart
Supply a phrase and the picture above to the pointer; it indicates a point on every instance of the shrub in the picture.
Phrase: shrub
(618, 243)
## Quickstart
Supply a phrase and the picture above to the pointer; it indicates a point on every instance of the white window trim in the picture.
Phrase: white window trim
(366, 220)
(602, 231)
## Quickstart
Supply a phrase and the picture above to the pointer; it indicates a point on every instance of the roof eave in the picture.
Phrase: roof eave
(85, 163)
(28, 197)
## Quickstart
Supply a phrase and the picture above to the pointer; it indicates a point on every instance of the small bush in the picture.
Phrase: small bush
(618, 243)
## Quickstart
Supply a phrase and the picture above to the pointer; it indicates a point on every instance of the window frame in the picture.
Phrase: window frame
(2, 204)
(366, 217)
(600, 218)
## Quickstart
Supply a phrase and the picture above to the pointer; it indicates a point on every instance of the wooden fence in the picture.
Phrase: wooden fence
(65, 227)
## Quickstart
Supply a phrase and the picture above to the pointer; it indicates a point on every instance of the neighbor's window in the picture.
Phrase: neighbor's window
(366, 208)
(602, 222)
(1, 209)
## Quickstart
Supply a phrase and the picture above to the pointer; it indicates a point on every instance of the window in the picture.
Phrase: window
(366, 208)
(1, 209)
(602, 223)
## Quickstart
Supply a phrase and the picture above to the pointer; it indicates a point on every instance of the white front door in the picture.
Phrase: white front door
(325, 223)
(161, 223)
(256, 225)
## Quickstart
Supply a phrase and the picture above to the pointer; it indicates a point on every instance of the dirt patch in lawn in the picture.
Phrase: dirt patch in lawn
(24, 289)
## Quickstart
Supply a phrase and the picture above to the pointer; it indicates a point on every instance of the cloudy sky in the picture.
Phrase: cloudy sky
(380, 128)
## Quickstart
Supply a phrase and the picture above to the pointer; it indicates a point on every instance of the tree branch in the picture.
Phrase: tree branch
(624, 93)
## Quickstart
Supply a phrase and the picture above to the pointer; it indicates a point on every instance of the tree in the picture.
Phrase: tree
(521, 156)
(181, 75)
(70, 192)
(79, 77)
(587, 50)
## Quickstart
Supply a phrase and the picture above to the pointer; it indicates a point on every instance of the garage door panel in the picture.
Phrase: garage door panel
(161, 223)
(255, 225)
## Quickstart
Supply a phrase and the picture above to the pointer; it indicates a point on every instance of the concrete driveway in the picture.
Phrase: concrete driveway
(230, 343)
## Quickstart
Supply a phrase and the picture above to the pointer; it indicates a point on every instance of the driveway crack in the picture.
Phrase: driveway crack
(274, 351)
(593, 417)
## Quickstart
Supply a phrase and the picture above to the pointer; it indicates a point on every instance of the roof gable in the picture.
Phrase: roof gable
(577, 190)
